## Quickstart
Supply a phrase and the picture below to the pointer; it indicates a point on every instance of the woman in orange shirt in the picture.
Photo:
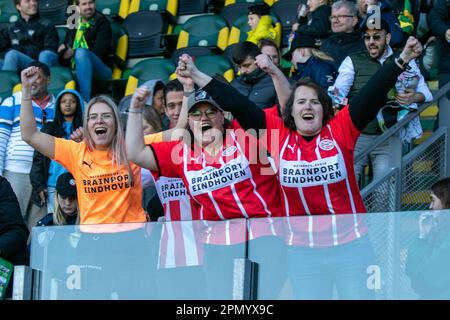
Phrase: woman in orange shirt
(108, 186)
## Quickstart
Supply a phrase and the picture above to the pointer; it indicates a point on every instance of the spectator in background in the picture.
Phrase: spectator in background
(66, 205)
(260, 24)
(109, 187)
(155, 100)
(439, 23)
(398, 37)
(428, 259)
(173, 94)
(45, 172)
(16, 156)
(88, 48)
(344, 39)
(270, 48)
(252, 82)
(354, 72)
(309, 61)
(28, 39)
(314, 19)
(13, 230)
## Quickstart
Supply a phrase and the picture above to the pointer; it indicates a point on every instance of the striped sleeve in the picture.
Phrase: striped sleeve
(6, 123)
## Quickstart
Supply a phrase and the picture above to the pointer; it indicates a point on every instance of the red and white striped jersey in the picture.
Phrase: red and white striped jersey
(317, 177)
(179, 243)
(226, 186)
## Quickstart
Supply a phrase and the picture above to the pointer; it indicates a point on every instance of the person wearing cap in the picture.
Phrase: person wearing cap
(308, 61)
(398, 37)
(310, 138)
(354, 72)
(260, 23)
(66, 204)
(221, 172)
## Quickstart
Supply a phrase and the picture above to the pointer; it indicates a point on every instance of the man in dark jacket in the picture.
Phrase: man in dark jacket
(439, 22)
(13, 231)
(88, 48)
(28, 39)
(253, 82)
(345, 39)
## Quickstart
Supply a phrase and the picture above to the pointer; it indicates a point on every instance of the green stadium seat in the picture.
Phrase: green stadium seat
(54, 10)
(153, 68)
(145, 30)
(233, 11)
(8, 11)
(204, 31)
(187, 7)
(9, 84)
(167, 7)
(60, 78)
(215, 64)
(61, 30)
(192, 51)
(113, 8)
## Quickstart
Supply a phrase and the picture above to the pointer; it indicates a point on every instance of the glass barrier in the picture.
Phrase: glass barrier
(397, 255)
(176, 260)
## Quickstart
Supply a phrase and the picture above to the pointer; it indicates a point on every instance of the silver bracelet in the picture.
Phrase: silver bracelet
(134, 111)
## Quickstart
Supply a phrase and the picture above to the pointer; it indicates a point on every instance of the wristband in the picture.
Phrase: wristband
(187, 93)
(134, 111)
(402, 63)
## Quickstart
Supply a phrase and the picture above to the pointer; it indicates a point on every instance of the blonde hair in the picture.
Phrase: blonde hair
(59, 218)
(119, 155)
(316, 53)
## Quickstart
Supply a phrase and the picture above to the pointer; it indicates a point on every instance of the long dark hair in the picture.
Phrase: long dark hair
(442, 190)
(322, 95)
(57, 128)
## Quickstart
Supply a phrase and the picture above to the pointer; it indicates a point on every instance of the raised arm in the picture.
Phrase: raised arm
(40, 141)
(137, 151)
(246, 112)
(369, 100)
(176, 133)
(280, 82)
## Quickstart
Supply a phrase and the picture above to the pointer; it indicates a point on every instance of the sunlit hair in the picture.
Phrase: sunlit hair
(59, 218)
(442, 190)
(316, 53)
(351, 7)
(322, 95)
(152, 117)
(119, 156)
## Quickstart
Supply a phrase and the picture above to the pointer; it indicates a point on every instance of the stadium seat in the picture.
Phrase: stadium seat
(204, 31)
(167, 7)
(120, 45)
(232, 12)
(192, 51)
(8, 11)
(8, 81)
(154, 68)
(62, 30)
(145, 30)
(228, 53)
(61, 78)
(252, 2)
(186, 7)
(54, 10)
(240, 27)
(215, 64)
(113, 8)
(286, 11)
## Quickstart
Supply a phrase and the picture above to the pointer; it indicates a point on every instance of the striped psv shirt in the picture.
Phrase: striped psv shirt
(317, 178)
(227, 186)
(15, 154)
(179, 245)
